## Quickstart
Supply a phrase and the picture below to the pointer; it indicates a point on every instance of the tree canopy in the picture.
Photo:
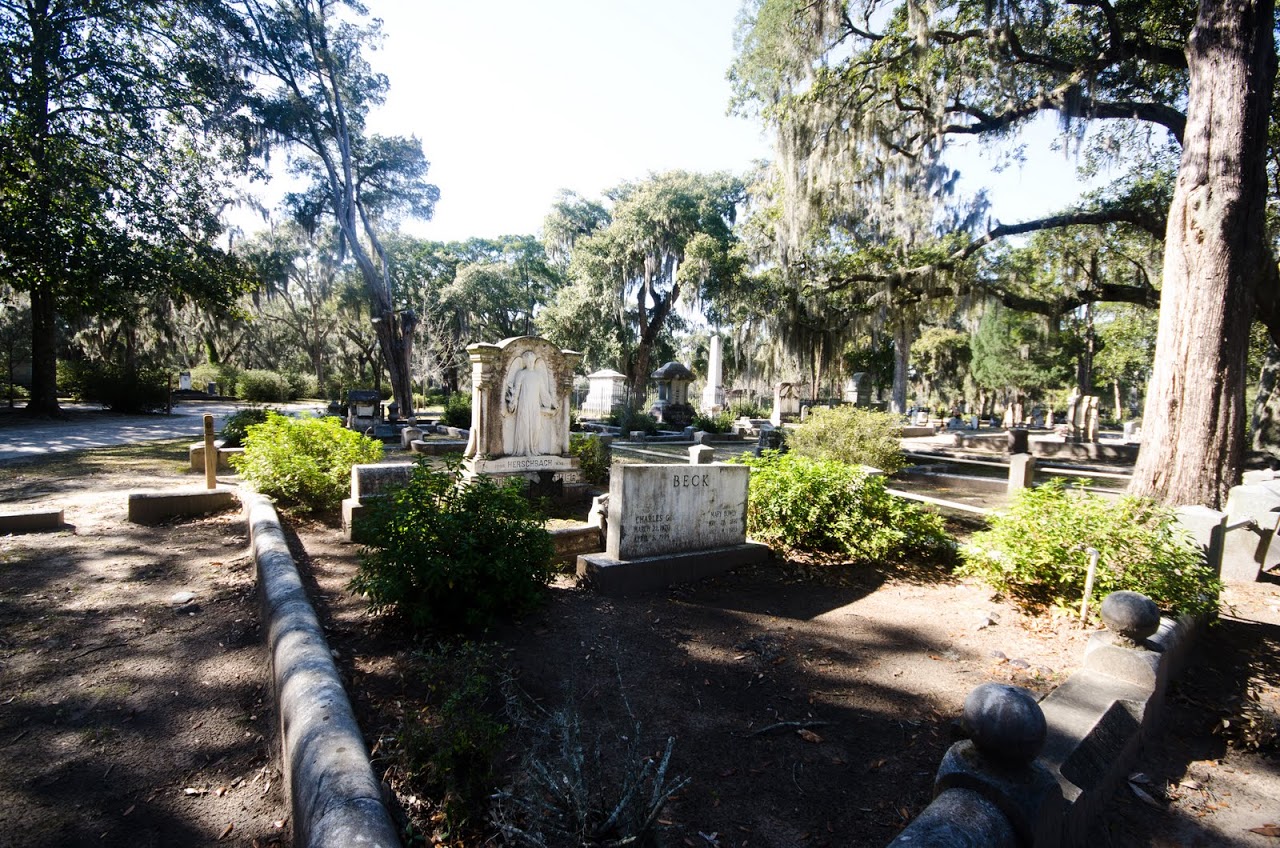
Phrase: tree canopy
(120, 130)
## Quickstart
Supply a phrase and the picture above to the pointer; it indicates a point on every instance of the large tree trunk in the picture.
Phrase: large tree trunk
(395, 339)
(1266, 407)
(1215, 249)
(901, 366)
(44, 353)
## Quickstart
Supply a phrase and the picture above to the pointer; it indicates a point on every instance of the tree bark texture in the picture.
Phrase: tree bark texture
(44, 353)
(901, 366)
(1266, 407)
(1215, 249)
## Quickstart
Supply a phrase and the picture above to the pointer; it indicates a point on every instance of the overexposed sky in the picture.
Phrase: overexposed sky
(514, 101)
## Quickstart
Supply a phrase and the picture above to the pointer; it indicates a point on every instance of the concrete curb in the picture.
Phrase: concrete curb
(334, 797)
(36, 521)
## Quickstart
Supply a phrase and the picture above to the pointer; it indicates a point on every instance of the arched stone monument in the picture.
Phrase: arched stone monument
(520, 410)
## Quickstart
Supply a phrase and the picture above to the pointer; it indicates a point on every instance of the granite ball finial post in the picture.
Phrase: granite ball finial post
(1005, 723)
(1131, 616)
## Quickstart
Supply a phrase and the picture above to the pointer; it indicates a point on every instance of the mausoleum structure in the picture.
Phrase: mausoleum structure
(607, 394)
(672, 407)
(520, 411)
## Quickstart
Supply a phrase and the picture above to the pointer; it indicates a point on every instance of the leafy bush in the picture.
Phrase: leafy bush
(1036, 550)
(302, 385)
(721, 423)
(448, 747)
(852, 435)
(747, 409)
(304, 462)
(594, 457)
(236, 427)
(630, 420)
(261, 386)
(452, 555)
(825, 506)
(224, 375)
(457, 411)
(119, 388)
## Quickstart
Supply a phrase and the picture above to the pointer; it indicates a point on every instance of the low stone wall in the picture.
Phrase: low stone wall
(335, 799)
(1039, 774)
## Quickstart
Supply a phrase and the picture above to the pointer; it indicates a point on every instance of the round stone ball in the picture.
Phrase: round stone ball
(1005, 723)
(1131, 615)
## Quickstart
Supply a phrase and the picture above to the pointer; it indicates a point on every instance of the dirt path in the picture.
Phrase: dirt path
(127, 716)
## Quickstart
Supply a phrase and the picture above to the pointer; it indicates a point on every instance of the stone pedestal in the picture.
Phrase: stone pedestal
(713, 393)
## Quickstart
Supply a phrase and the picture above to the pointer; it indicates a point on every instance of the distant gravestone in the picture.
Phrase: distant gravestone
(184, 381)
(672, 407)
(607, 394)
(786, 403)
(520, 411)
(857, 389)
(672, 523)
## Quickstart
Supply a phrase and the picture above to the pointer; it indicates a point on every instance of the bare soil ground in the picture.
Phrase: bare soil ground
(127, 717)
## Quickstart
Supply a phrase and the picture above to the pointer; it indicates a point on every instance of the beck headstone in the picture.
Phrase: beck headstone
(671, 523)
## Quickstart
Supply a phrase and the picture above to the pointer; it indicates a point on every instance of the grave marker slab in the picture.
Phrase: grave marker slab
(672, 523)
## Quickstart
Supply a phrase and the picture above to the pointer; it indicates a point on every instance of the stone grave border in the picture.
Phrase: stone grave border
(334, 798)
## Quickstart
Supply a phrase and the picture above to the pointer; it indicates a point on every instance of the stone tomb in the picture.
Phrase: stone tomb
(520, 412)
(672, 523)
(607, 394)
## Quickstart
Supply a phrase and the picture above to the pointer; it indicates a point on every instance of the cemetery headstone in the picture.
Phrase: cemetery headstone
(364, 408)
(672, 523)
(857, 389)
(520, 412)
(184, 381)
(607, 394)
(786, 403)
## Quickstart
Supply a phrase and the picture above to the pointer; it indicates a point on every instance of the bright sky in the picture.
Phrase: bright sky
(514, 100)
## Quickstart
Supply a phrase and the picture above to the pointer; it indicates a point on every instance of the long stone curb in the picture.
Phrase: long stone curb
(335, 798)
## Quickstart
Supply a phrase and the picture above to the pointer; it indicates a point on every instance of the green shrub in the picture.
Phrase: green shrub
(721, 423)
(236, 427)
(594, 457)
(302, 385)
(451, 555)
(304, 462)
(448, 747)
(143, 388)
(630, 420)
(852, 435)
(457, 411)
(747, 409)
(798, 503)
(260, 386)
(224, 375)
(1036, 550)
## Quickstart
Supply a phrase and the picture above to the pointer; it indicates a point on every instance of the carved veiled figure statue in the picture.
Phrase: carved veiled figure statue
(530, 403)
